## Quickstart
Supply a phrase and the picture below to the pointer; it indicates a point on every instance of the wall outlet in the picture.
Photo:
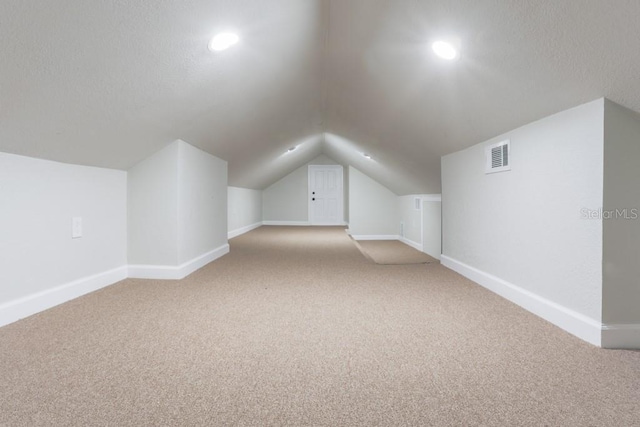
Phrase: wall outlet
(76, 227)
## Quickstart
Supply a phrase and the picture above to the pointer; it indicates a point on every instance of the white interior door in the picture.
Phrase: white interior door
(325, 195)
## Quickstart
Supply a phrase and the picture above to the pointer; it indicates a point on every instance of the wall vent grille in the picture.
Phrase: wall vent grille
(497, 157)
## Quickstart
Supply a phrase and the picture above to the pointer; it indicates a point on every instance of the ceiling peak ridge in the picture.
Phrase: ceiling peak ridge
(324, 69)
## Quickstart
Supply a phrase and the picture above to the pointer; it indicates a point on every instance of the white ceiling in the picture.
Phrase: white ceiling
(108, 83)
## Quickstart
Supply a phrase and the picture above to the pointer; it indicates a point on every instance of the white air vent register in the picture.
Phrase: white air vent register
(497, 157)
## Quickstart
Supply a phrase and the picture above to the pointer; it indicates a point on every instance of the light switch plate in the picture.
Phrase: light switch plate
(76, 227)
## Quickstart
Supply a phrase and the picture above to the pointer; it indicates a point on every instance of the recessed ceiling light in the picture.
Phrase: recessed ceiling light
(445, 50)
(223, 41)
(367, 156)
(292, 149)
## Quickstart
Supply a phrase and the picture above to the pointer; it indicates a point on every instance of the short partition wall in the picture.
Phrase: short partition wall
(538, 235)
(163, 219)
(64, 232)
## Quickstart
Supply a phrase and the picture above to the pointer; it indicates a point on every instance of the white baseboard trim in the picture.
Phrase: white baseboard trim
(575, 323)
(289, 223)
(239, 231)
(26, 306)
(411, 243)
(621, 336)
(170, 272)
(375, 237)
(35, 303)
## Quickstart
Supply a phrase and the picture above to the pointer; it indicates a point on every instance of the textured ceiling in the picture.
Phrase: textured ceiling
(109, 83)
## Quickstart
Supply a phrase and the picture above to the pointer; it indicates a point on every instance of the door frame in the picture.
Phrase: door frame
(312, 168)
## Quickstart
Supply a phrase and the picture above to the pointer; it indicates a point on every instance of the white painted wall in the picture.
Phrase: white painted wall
(373, 208)
(621, 294)
(524, 227)
(288, 199)
(411, 218)
(153, 209)
(177, 211)
(432, 227)
(202, 202)
(38, 199)
(244, 207)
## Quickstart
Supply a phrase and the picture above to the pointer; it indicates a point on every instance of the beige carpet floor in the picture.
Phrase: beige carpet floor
(392, 252)
(295, 327)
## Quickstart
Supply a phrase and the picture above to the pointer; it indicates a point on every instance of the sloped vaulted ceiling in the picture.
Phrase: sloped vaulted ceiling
(108, 83)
